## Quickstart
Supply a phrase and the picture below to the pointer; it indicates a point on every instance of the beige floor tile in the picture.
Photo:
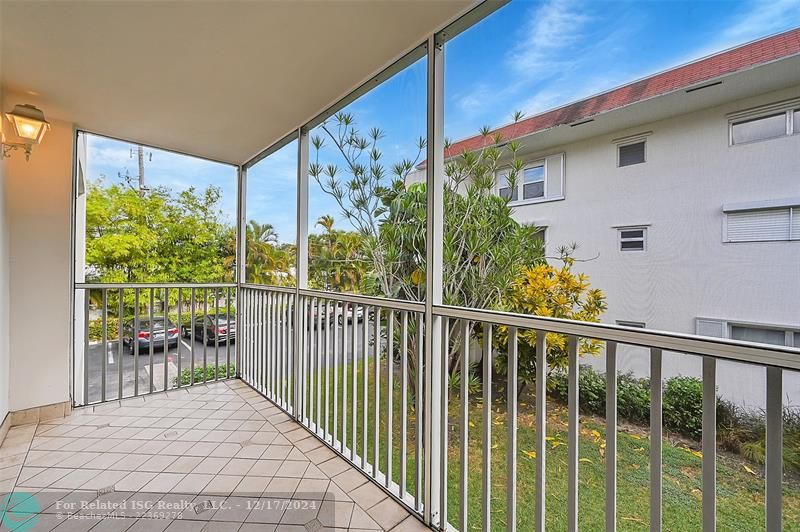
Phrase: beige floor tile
(104, 480)
(349, 480)
(222, 484)
(212, 465)
(134, 481)
(252, 486)
(130, 462)
(335, 514)
(184, 464)
(367, 495)
(157, 463)
(294, 469)
(265, 468)
(75, 479)
(411, 524)
(201, 449)
(239, 466)
(301, 512)
(360, 519)
(388, 513)
(46, 477)
(163, 482)
(313, 489)
(281, 487)
(277, 452)
(334, 466)
(102, 461)
(193, 483)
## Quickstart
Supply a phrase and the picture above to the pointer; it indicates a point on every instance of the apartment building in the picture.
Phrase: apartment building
(682, 191)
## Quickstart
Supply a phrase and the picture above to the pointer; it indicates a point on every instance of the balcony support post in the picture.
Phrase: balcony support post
(240, 276)
(301, 267)
(433, 278)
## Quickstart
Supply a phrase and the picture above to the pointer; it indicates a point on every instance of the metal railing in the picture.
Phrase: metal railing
(336, 384)
(340, 364)
(185, 332)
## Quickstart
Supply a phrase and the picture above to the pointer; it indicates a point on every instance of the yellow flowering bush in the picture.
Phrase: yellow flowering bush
(555, 292)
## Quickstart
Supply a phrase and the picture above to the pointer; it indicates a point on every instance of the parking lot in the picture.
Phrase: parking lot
(203, 355)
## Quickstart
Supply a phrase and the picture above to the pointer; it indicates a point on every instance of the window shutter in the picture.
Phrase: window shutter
(631, 154)
(758, 226)
(796, 225)
(714, 328)
(554, 180)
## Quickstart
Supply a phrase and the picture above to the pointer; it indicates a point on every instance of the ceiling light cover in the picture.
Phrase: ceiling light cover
(29, 123)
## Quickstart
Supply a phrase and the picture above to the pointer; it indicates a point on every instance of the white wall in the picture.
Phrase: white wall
(38, 203)
(687, 270)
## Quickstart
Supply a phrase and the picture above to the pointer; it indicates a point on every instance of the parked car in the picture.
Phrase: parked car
(142, 334)
(340, 315)
(211, 328)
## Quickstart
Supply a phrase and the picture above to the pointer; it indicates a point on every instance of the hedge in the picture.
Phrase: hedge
(738, 430)
(200, 376)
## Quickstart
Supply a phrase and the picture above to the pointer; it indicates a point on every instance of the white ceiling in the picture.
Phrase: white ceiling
(221, 80)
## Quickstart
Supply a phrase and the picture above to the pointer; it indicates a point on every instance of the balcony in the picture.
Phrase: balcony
(386, 356)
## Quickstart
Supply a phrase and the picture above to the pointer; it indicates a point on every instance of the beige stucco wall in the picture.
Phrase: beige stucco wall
(38, 210)
(4, 284)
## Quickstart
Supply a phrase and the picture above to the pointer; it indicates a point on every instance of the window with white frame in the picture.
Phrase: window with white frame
(632, 238)
(769, 224)
(539, 180)
(764, 123)
(507, 190)
(533, 182)
(749, 332)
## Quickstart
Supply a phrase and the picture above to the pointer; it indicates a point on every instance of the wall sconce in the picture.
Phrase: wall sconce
(30, 125)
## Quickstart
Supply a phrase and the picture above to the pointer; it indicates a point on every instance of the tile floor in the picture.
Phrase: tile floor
(213, 458)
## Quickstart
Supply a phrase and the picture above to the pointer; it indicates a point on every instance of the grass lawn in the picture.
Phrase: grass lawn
(740, 484)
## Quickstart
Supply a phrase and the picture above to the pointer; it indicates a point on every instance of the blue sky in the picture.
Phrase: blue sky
(528, 56)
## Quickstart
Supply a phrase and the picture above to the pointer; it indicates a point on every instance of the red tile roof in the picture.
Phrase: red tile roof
(726, 62)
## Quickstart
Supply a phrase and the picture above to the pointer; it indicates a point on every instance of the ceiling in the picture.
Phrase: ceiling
(222, 80)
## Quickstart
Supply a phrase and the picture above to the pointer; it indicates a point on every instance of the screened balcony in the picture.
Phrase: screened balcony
(389, 341)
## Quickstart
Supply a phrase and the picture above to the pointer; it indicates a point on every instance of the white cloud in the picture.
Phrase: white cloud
(762, 18)
(552, 28)
(757, 19)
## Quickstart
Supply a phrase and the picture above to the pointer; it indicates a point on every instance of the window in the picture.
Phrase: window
(533, 185)
(762, 225)
(630, 154)
(796, 122)
(632, 238)
(634, 324)
(767, 122)
(749, 332)
(760, 335)
(506, 190)
(540, 180)
(765, 127)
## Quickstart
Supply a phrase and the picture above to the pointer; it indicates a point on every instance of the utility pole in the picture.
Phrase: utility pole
(141, 170)
(140, 154)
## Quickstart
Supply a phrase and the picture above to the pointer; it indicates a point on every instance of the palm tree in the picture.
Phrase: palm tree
(264, 233)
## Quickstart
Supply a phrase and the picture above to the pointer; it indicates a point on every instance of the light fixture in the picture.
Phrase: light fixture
(29, 125)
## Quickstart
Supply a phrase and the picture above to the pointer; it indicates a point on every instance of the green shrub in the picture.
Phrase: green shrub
(208, 375)
(633, 398)
(738, 430)
(683, 406)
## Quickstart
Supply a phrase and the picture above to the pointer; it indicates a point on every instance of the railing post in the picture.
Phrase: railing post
(433, 279)
(301, 266)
